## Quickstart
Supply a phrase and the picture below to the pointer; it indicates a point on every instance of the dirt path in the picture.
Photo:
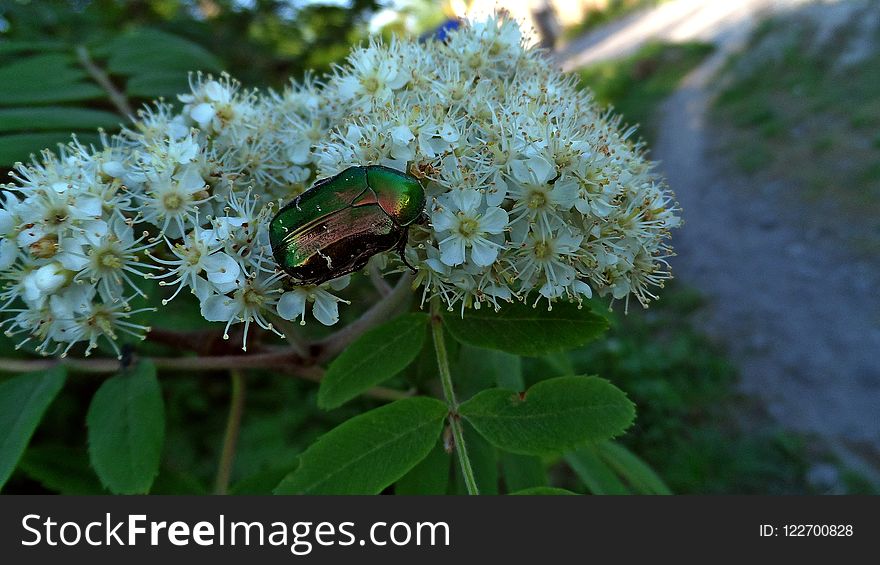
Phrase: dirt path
(798, 314)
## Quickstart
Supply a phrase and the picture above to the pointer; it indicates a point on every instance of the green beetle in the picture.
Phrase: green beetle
(334, 228)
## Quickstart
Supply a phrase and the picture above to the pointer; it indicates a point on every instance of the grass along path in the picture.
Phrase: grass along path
(789, 296)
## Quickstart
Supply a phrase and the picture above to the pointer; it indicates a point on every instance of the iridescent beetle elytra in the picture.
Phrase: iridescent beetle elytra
(334, 227)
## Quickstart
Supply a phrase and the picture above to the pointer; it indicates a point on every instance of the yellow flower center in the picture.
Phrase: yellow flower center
(537, 199)
(542, 250)
(110, 259)
(370, 84)
(172, 201)
(468, 227)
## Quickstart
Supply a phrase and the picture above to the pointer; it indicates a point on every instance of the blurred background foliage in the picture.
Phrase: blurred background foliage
(51, 52)
(692, 427)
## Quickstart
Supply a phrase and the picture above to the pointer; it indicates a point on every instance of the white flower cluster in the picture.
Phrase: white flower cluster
(532, 191)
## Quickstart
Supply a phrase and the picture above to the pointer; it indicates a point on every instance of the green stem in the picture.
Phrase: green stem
(449, 392)
(230, 436)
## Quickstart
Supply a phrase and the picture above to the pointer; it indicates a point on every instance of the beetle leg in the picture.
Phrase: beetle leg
(401, 251)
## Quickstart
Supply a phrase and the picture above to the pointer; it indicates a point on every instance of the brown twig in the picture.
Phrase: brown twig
(281, 361)
(379, 282)
(230, 436)
(379, 312)
(272, 360)
(116, 97)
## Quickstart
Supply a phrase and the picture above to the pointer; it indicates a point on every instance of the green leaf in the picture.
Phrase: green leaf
(260, 483)
(157, 84)
(55, 118)
(478, 369)
(45, 79)
(560, 363)
(23, 46)
(150, 51)
(369, 452)
(375, 357)
(636, 472)
(544, 491)
(19, 146)
(508, 370)
(522, 471)
(552, 416)
(523, 330)
(177, 482)
(126, 429)
(23, 401)
(61, 469)
(598, 477)
(430, 476)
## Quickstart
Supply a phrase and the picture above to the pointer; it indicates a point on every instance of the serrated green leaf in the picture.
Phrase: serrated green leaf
(55, 118)
(598, 477)
(552, 416)
(126, 430)
(23, 401)
(636, 472)
(20, 146)
(369, 452)
(150, 51)
(61, 469)
(523, 330)
(375, 357)
(522, 471)
(45, 79)
(430, 476)
(543, 491)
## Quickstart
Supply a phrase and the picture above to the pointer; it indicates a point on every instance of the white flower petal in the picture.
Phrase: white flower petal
(494, 221)
(565, 193)
(7, 222)
(214, 91)
(468, 200)
(202, 114)
(443, 220)
(90, 206)
(189, 179)
(483, 253)
(221, 268)
(543, 169)
(50, 278)
(291, 305)
(8, 253)
(520, 171)
(219, 308)
(348, 87)
(498, 193)
(449, 133)
(402, 134)
(452, 251)
(202, 288)
(340, 283)
(113, 169)
(325, 309)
